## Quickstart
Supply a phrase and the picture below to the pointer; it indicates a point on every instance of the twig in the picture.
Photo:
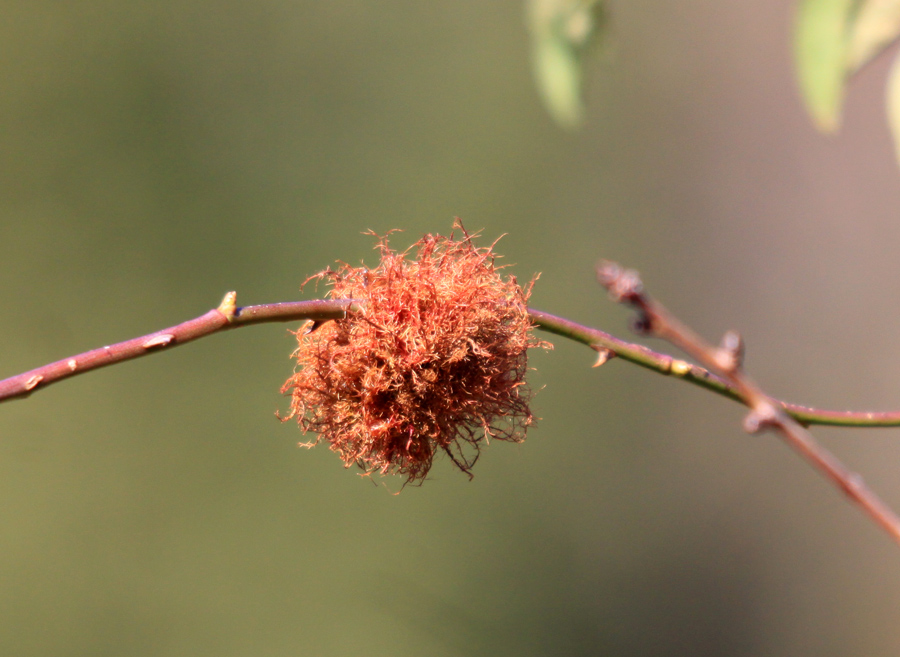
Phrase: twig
(609, 345)
(226, 316)
(22, 385)
(625, 286)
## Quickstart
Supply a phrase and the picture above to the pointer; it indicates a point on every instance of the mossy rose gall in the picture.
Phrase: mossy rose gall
(434, 359)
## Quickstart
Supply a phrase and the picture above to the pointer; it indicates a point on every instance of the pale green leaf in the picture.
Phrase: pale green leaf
(820, 45)
(875, 26)
(561, 33)
(893, 104)
(558, 76)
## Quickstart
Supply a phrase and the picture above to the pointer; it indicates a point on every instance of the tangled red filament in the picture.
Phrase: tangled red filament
(433, 358)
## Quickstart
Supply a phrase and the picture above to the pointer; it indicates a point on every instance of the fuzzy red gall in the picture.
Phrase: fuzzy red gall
(434, 360)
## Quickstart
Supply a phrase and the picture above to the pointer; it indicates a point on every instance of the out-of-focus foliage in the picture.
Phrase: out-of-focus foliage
(893, 104)
(834, 40)
(820, 51)
(875, 25)
(562, 32)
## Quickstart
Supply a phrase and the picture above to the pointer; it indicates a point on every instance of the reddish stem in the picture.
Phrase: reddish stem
(765, 413)
(226, 316)
(24, 384)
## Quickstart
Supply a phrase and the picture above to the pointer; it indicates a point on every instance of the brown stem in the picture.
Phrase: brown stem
(22, 385)
(624, 286)
(765, 413)
(669, 366)
(226, 316)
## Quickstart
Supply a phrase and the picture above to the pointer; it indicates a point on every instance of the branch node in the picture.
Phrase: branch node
(313, 325)
(729, 357)
(854, 484)
(679, 367)
(158, 341)
(33, 382)
(764, 416)
(228, 307)
(641, 324)
(73, 364)
(623, 285)
(604, 355)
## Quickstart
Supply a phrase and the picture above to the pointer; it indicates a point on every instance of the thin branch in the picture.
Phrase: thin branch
(765, 413)
(226, 316)
(22, 385)
(670, 366)
(623, 285)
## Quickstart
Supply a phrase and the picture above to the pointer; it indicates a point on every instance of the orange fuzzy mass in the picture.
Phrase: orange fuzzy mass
(434, 358)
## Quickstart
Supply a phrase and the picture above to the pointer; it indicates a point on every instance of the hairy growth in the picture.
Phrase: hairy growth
(434, 359)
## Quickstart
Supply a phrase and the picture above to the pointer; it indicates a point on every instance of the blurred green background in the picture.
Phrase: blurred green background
(155, 155)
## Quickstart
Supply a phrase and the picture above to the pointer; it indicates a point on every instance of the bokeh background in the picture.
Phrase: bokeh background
(155, 155)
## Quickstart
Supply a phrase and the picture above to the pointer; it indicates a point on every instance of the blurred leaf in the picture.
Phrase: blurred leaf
(893, 103)
(875, 26)
(561, 33)
(820, 46)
